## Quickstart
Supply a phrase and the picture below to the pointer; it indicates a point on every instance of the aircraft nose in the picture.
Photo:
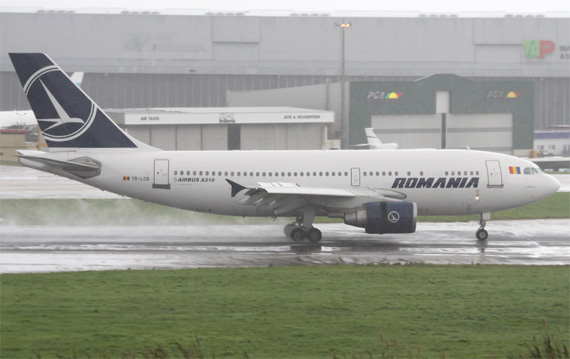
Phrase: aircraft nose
(552, 185)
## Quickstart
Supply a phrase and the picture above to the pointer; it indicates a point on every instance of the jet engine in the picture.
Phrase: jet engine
(384, 217)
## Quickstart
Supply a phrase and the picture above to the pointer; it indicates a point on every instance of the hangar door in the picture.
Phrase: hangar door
(488, 131)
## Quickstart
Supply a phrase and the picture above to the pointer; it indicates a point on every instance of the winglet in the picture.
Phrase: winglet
(236, 187)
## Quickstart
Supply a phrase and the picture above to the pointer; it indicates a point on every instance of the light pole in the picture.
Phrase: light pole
(343, 127)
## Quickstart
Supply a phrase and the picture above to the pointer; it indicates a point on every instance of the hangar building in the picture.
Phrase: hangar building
(138, 59)
(242, 128)
(439, 111)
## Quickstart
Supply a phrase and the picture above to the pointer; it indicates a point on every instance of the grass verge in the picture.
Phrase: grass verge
(286, 312)
(134, 212)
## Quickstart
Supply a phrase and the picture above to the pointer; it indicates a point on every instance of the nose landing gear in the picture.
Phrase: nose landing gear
(481, 233)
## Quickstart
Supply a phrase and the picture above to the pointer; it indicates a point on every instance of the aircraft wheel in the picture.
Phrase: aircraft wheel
(297, 234)
(288, 228)
(314, 235)
(482, 235)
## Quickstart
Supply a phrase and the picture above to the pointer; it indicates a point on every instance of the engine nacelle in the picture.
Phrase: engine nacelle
(384, 217)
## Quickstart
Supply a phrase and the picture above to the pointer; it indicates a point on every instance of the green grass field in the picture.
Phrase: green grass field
(286, 312)
(135, 212)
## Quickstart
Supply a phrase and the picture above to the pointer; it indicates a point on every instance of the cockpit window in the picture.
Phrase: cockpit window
(532, 170)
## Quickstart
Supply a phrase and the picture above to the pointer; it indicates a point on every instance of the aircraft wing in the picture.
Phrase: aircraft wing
(286, 198)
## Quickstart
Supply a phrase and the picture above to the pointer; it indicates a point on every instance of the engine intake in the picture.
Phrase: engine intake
(384, 217)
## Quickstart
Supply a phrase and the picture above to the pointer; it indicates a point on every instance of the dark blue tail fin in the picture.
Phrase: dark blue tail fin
(67, 117)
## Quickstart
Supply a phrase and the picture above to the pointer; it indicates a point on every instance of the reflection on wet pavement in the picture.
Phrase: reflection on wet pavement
(50, 249)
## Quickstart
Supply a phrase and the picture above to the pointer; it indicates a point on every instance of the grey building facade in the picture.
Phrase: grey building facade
(136, 60)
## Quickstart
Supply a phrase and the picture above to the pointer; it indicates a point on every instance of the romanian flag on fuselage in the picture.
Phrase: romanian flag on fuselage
(514, 170)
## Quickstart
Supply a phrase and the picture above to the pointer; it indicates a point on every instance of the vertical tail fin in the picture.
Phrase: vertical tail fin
(371, 137)
(67, 117)
(77, 78)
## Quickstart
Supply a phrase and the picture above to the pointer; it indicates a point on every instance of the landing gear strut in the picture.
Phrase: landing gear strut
(481, 233)
(303, 228)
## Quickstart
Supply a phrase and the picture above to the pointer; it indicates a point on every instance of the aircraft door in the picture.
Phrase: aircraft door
(355, 177)
(161, 179)
(494, 175)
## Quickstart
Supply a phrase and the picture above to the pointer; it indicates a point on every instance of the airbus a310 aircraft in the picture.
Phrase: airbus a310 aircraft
(380, 191)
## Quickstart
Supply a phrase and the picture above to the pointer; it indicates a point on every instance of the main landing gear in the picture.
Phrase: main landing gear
(481, 233)
(303, 228)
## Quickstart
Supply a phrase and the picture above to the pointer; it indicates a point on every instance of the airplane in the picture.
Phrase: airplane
(26, 118)
(380, 191)
(374, 143)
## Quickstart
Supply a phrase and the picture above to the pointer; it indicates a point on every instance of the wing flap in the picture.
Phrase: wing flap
(283, 197)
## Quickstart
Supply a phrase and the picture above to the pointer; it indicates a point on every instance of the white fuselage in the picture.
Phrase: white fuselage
(440, 182)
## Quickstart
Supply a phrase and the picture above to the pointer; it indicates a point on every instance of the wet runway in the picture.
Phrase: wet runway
(51, 249)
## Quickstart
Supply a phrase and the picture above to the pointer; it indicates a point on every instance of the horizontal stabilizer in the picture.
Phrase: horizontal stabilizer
(83, 167)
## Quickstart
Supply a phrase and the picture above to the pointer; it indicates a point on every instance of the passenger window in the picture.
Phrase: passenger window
(396, 173)
(200, 173)
(232, 173)
(421, 173)
(175, 173)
